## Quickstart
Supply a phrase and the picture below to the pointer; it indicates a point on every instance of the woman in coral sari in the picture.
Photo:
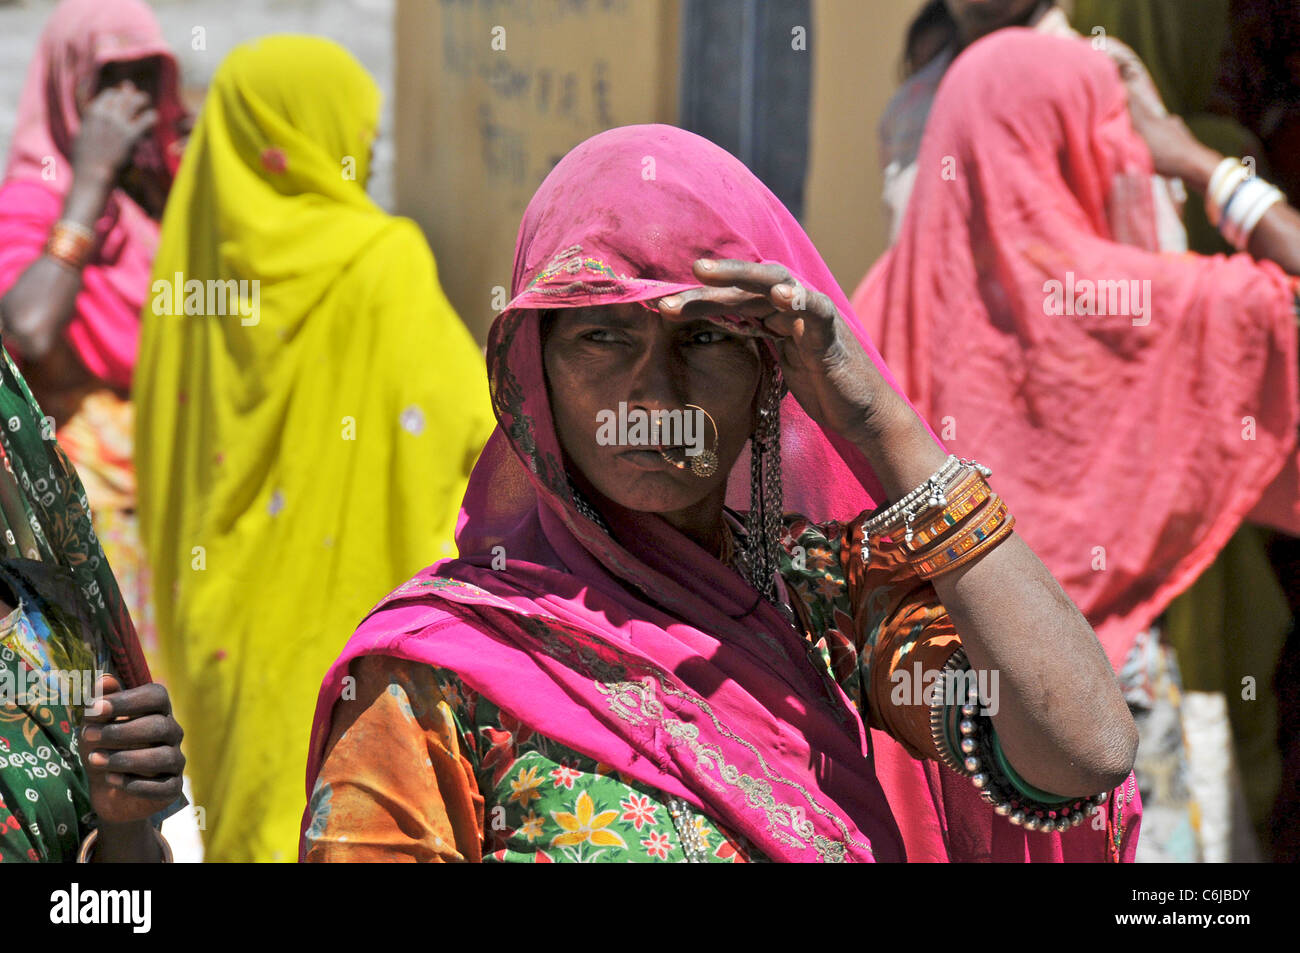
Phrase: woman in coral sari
(1147, 400)
(622, 667)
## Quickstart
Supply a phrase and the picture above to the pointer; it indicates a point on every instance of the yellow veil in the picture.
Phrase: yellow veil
(309, 407)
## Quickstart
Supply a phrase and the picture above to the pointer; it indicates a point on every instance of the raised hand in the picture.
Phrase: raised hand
(110, 127)
(827, 370)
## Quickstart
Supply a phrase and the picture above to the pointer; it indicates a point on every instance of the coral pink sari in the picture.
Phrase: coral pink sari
(1130, 442)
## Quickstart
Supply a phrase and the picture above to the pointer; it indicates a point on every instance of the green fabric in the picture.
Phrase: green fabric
(68, 616)
(546, 803)
(45, 528)
(45, 806)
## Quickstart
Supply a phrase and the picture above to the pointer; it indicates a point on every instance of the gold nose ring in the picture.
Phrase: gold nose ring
(705, 463)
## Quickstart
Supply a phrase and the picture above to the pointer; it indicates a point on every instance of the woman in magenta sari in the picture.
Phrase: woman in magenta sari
(622, 666)
(95, 147)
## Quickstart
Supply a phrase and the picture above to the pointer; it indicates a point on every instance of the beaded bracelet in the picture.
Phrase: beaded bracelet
(931, 489)
(968, 744)
(932, 493)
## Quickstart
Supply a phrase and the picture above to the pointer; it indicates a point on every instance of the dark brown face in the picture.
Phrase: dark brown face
(145, 75)
(596, 358)
(975, 18)
(146, 178)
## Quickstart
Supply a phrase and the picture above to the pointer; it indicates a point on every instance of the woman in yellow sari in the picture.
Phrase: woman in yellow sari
(310, 407)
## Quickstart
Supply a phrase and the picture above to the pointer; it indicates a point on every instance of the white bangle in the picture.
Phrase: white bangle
(1249, 202)
(1228, 175)
(1251, 217)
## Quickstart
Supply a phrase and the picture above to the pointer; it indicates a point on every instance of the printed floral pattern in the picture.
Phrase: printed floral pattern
(543, 802)
(559, 805)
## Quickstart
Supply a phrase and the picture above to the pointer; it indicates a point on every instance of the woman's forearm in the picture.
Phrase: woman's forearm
(43, 299)
(1060, 716)
(1277, 236)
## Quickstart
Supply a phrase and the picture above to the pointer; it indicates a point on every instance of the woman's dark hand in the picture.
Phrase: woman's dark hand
(130, 746)
(110, 127)
(827, 370)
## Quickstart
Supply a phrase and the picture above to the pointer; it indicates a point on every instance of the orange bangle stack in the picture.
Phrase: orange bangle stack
(951, 519)
(973, 536)
(963, 499)
(71, 243)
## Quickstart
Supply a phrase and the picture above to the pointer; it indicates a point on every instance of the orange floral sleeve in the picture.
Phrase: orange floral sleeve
(394, 784)
(881, 629)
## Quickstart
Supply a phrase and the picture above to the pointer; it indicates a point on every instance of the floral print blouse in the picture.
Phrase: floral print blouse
(419, 767)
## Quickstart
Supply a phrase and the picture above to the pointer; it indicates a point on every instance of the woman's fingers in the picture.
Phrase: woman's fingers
(703, 302)
(142, 123)
(754, 276)
(162, 790)
(141, 762)
(770, 280)
(129, 703)
(143, 732)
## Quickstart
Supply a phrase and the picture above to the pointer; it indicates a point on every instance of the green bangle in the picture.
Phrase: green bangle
(1019, 783)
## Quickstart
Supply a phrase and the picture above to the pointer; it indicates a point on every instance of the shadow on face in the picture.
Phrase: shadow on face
(597, 359)
(144, 74)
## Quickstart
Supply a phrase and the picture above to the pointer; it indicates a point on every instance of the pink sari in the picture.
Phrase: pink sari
(80, 37)
(640, 649)
(1130, 446)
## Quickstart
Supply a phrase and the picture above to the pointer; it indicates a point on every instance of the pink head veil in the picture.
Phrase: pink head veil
(79, 39)
(676, 662)
(622, 218)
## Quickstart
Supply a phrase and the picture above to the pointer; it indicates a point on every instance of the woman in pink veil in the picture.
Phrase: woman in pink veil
(97, 141)
(701, 643)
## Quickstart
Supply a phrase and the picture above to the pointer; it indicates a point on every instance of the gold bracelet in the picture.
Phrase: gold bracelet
(88, 846)
(963, 501)
(71, 243)
(977, 531)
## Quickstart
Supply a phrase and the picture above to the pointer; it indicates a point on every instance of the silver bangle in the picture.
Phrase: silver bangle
(933, 492)
(87, 848)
